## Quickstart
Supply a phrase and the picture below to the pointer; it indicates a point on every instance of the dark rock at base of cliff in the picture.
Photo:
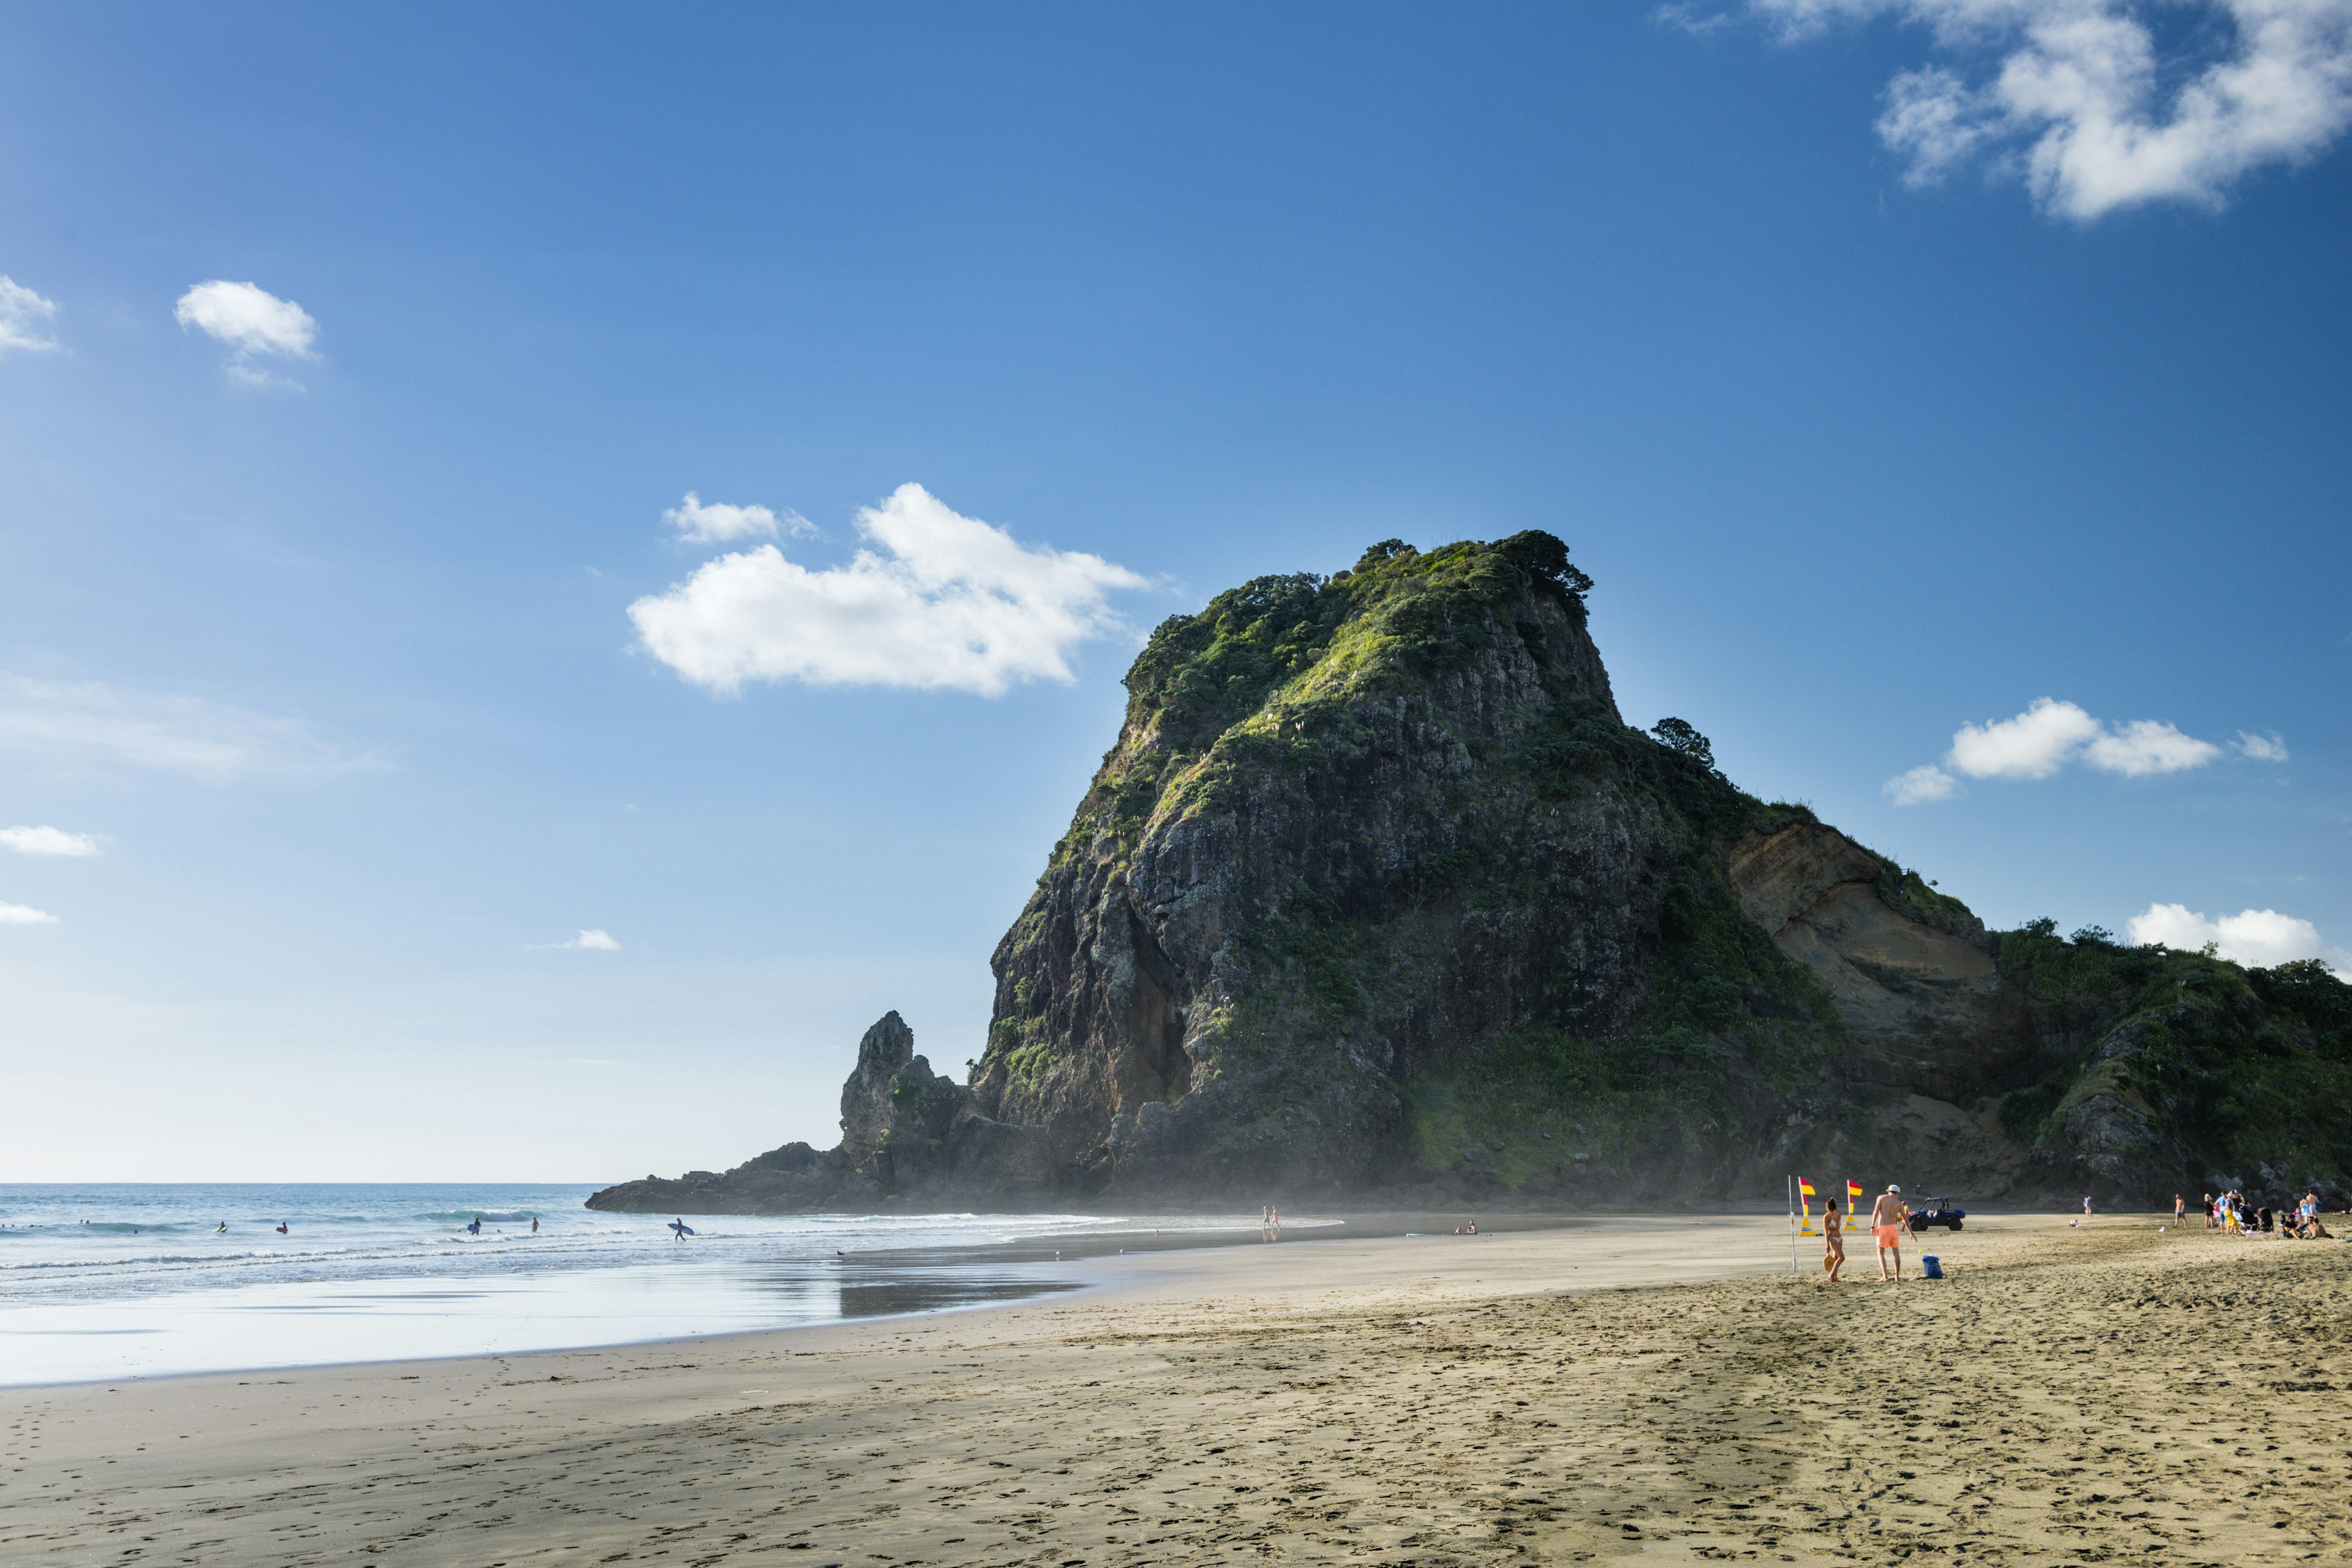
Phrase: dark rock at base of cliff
(910, 1138)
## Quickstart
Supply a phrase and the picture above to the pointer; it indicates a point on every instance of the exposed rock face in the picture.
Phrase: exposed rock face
(1376, 897)
(886, 1050)
(1919, 987)
(1170, 1007)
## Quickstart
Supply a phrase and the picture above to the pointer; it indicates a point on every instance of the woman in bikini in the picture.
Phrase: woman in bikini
(1833, 1241)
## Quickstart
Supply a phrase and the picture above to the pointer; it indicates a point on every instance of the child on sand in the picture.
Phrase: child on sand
(1833, 1241)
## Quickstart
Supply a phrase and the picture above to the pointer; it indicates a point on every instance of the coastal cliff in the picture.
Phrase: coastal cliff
(1377, 897)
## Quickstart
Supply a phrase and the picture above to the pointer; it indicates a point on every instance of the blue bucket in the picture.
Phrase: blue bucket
(1934, 1269)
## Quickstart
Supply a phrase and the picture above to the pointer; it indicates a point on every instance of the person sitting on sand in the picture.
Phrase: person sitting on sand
(1890, 1216)
(1833, 1241)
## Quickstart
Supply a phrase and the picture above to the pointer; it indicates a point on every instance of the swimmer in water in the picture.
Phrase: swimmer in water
(281, 1228)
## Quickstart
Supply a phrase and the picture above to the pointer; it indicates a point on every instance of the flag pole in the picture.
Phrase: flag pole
(1793, 1225)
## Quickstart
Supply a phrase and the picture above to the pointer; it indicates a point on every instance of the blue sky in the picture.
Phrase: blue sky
(1881, 396)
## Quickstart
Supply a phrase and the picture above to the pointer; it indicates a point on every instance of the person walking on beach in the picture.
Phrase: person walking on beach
(1833, 1241)
(2180, 1211)
(1890, 1216)
(2087, 1208)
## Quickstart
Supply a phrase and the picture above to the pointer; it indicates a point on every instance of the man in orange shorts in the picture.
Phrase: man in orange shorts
(1890, 1218)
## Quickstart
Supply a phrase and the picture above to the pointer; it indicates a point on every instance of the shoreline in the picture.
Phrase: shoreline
(907, 1269)
(916, 1271)
(1632, 1390)
(1138, 1272)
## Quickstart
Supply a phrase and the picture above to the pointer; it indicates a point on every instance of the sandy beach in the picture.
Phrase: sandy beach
(1634, 1390)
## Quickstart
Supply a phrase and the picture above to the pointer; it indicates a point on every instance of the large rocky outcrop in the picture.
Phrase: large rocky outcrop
(1256, 934)
(1378, 897)
(909, 1138)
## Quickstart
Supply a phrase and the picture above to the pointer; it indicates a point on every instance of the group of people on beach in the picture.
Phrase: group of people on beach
(1269, 1224)
(1890, 1222)
(2233, 1215)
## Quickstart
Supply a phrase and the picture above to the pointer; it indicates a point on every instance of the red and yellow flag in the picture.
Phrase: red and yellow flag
(1852, 1194)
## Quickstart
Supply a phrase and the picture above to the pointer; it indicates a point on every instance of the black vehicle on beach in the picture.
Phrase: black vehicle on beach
(1939, 1210)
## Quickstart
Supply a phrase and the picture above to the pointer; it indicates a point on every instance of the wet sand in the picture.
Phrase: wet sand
(1654, 1390)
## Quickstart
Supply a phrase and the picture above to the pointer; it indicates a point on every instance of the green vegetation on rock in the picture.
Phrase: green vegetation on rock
(2235, 1068)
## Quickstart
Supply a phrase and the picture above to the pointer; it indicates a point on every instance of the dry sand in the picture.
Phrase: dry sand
(1657, 1391)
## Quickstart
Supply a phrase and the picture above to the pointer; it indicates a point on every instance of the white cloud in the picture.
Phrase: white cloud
(2148, 746)
(2261, 938)
(2270, 748)
(587, 941)
(955, 604)
(2048, 735)
(84, 726)
(248, 318)
(1925, 783)
(47, 841)
(24, 915)
(2102, 104)
(2033, 745)
(253, 322)
(25, 317)
(715, 522)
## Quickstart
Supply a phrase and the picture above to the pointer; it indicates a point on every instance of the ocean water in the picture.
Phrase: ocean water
(110, 1282)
